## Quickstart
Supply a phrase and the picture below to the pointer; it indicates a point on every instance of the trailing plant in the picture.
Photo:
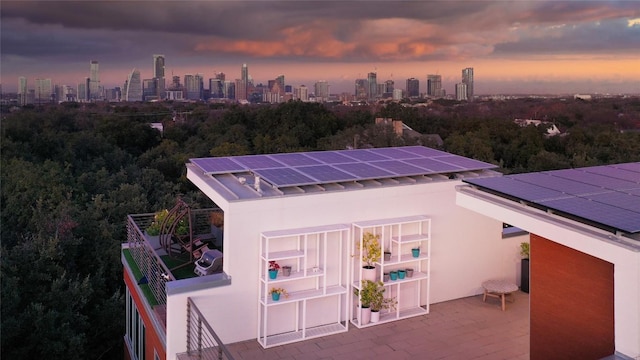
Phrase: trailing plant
(524, 250)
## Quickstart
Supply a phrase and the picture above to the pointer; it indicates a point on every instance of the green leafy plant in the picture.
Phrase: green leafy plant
(370, 248)
(182, 228)
(524, 250)
(372, 295)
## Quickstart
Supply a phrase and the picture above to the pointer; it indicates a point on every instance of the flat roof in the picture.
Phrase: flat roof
(256, 176)
(607, 197)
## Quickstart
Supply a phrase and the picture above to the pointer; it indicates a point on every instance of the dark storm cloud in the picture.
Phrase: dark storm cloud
(607, 37)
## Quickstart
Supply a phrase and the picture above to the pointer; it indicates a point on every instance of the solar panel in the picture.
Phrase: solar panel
(284, 177)
(510, 186)
(605, 195)
(394, 153)
(398, 168)
(258, 162)
(595, 179)
(329, 157)
(321, 167)
(324, 173)
(364, 155)
(424, 151)
(364, 171)
(463, 162)
(294, 159)
(434, 165)
(549, 181)
(635, 167)
(618, 199)
(617, 173)
(217, 165)
(598, 212)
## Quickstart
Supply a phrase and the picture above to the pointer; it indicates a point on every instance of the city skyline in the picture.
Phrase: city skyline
(532, 47)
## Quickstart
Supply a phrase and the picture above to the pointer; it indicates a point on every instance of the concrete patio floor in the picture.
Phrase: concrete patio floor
(459, 329)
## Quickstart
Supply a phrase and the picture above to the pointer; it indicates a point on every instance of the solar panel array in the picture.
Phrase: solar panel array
(607, 195)
(322, 167)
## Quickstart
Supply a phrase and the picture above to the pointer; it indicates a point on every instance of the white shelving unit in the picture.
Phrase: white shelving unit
(399, 236)
(317, 304)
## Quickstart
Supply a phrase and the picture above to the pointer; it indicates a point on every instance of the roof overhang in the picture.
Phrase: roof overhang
(538, 221)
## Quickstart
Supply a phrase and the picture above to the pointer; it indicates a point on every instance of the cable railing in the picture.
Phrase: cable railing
(202, 341)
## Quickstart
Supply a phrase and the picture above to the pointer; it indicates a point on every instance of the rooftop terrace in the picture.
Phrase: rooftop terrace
(466, 328)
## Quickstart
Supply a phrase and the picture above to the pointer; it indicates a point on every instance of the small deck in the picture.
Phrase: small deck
(459, 329)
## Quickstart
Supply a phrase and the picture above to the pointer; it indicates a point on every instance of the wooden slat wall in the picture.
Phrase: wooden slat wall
(571, 299)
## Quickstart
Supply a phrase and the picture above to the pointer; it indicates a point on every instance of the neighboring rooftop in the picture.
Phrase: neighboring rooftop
(254, 176)
(607, 197)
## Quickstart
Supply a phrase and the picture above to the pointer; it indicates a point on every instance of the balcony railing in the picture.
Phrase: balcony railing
(146, 256)
(202, 341)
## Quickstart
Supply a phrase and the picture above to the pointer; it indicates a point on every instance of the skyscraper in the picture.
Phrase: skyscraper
(413, 88)
(94, 81)
(361, 89)
(434, 85)
(372, 78)
(158, 73)
(461, 91)
(22, 90)
(243, 83)
(43, 91)
(134, 86)
(193, 85)
(321, 89)
(467, 79)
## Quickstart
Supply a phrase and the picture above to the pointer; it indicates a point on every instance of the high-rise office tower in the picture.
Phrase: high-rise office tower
(158, 74)
(434, 85)
(461, 92)
(215, 87)
(242, 84)
(372, 92)
(193, 85)
(134, 86)
(94, 81)
(43, 91)
(389, 85)
(302, 93)
(150, 89)
(413, 88)
(22, 91)
(467, 79)
(361, 89)
(280, 82)
(321, 90)
(158, 66)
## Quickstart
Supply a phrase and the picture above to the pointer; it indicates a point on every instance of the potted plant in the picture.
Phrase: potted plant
(387, 254)
(525, 247)
(365, 294)
(378, 302)
(273, 269)
(371, 253)
(276, 292)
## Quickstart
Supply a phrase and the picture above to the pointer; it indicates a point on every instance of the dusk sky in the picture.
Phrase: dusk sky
(514, 46)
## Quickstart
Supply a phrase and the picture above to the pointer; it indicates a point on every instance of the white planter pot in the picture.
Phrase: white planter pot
(369, 274)
(375, 316)
(365, 316)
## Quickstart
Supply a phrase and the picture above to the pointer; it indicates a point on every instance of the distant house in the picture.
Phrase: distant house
(552, 129)
(402, 129)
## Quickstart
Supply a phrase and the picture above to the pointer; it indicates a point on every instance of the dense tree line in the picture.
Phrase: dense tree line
(71, 173)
